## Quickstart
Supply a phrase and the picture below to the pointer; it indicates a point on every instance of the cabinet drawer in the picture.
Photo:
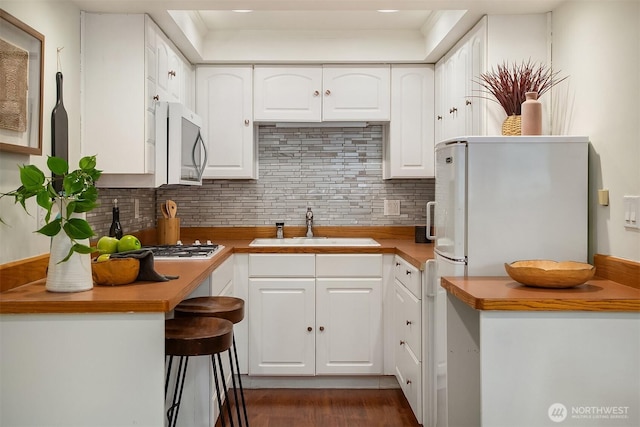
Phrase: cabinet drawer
(408, 371)
(408, 318)
(409, 276)
(349, 265)
(277, 265)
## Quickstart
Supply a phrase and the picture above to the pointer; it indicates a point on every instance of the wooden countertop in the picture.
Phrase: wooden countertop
(164, 296)
(502, 293)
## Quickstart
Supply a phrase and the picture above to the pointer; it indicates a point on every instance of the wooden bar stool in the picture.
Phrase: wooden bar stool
(195, 336)
(223, 307)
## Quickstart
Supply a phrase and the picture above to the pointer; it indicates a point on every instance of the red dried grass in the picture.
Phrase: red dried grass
(508, 83)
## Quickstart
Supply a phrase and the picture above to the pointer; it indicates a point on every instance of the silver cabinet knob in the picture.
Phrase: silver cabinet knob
(327, 92)
(246, 122)
(309, 329)
(321, 328)
(316, 93)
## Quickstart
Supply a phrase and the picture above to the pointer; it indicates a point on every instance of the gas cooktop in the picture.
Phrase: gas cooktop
(195, 251)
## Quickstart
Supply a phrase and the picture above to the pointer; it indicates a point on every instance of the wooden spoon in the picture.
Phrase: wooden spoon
(172, 208)
(164, 211)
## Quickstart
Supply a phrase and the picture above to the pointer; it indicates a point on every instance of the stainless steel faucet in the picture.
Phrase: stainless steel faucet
(309, 223)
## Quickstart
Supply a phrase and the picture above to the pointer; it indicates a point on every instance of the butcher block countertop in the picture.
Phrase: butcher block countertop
(164, 296)
(502, 293)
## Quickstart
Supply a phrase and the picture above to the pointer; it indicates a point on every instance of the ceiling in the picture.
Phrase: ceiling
(208, 19)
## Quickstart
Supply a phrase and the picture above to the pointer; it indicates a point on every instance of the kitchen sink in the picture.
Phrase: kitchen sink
(316, 241)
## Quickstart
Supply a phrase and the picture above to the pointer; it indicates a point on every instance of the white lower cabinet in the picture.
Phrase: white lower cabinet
(407, 319)
(281, 326)
(315, 314)
(348, 314)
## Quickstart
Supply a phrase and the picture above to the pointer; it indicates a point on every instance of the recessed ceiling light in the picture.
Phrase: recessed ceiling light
(387, 10)
(242, 10)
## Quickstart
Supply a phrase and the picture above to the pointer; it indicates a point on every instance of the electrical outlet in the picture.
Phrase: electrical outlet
(136, 208)
(392, 207)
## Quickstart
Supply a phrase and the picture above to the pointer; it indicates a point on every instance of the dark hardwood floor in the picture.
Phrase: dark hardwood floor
(326, 408)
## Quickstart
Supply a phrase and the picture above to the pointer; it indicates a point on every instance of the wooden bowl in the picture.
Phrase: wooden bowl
(550, 274)
(116, 271)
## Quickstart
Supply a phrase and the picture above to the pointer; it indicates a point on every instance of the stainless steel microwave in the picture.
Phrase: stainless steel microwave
(178, 129)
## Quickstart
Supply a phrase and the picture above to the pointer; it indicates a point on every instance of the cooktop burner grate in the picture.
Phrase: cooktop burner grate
(183, 251)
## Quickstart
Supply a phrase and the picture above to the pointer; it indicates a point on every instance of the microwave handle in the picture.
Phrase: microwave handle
(429, 224)
(199, 168)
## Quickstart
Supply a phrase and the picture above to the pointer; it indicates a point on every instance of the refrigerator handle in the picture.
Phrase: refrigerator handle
(429, 235)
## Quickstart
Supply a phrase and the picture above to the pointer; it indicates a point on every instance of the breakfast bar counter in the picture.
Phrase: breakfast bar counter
(502, 293)
(525, 356)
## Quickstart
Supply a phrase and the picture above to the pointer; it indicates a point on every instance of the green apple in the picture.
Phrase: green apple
(128, 242)
(103, 258)
(107, 245)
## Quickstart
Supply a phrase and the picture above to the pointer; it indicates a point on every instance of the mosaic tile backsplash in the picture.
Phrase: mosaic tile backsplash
(335, 171)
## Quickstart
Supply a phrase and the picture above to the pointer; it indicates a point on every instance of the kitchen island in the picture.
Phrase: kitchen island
(525, 356)
(96, 358)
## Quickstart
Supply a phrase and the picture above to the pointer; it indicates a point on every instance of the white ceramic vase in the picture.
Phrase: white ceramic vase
(73, 275)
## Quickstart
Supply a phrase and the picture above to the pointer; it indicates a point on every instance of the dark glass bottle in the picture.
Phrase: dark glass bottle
(116, 228)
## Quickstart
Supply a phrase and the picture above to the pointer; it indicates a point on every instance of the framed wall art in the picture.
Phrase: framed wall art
(21, 86)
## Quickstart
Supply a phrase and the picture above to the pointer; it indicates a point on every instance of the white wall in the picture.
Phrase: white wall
(597, 44)
(60, 23)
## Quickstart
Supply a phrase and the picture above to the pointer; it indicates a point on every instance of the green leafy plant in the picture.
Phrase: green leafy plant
(507, 84)
(79, 194)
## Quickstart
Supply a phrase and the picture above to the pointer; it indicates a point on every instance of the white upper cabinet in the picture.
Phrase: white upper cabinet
(314, 93)
(224, 101)
(410, 142)
(123, 76)
(356, 92)
(291, 93)
(461, 106)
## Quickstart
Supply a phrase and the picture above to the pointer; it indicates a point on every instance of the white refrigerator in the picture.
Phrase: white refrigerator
(501, 199)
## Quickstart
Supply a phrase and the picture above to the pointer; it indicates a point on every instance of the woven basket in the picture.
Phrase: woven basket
(512, 125)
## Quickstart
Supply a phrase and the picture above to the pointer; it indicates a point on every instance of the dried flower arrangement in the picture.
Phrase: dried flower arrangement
(508, 83)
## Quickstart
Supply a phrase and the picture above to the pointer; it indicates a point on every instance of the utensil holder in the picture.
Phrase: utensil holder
(168, 231)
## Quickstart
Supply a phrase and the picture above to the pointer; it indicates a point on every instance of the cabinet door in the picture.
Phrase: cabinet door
(440, 94)
(349, 326)
(474, 105)
(223, 100)
(410, 144)
(176, 75)
(456, 88)
(281, 326)
(114, 114)
(356, 93)
(287, 93)
(162, 58)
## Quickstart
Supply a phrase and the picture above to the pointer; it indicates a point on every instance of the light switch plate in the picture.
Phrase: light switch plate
(631, 211)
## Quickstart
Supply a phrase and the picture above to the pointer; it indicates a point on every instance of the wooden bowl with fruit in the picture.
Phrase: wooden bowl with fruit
(115, 271)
